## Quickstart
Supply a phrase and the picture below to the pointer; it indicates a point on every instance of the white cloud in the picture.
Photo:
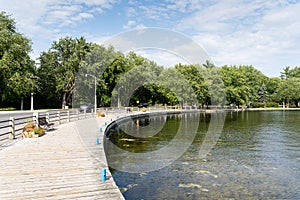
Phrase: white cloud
(223, 16)
(154, 12)
(129, 24)
(46, 20)
(20, 12)
(160, 10)
(161, 57)
(30, 13)
(140, 26)
(131, 12)
(263, 34)
(106, 4)
(183, 5)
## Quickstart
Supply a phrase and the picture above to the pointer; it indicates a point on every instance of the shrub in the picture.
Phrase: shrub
(268, 105)
(7, 109)
(272, 105)
(258, 105)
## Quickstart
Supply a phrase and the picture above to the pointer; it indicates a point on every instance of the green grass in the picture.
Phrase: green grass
(7, 109)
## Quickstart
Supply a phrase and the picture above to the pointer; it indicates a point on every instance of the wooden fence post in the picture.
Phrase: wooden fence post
(35, 117)
(68, 115)
(58, 116)
(47, 117)
(11, 135)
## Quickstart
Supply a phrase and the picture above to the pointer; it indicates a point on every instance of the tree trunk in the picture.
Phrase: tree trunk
(64, 100)
(22, 103)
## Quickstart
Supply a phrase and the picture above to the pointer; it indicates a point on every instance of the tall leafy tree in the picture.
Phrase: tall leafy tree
(139, 79)
(272, 85)
(289, 90)
(48, 97)
(17, 77)
(208, 65)
(63, 60)
(237, 88)
(263, 94)
(295, 72)
(242, 84)
(285, 73)
(194, 75)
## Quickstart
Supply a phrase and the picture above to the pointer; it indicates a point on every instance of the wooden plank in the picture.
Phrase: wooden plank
(60, 165)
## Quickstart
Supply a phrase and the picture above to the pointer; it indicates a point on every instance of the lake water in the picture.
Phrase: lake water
(255, 156)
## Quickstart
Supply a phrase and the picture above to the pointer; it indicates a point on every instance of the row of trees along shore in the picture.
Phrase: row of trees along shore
(52, 77)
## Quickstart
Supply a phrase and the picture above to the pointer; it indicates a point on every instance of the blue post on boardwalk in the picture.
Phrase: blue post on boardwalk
(101, 130)
(97, 140)
(103, 175)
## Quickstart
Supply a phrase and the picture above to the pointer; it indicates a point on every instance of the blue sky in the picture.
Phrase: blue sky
(265, 34)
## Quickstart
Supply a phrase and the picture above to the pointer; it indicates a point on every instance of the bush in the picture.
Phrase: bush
(272, 105)
(258, 105)
(268, 105)
(7, 109)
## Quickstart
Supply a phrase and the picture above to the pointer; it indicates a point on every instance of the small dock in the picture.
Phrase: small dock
(65, 163)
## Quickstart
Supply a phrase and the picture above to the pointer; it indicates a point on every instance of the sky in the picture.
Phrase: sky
(265, 34)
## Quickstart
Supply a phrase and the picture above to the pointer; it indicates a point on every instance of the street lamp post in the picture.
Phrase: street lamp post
(31, 101)
(95, 106)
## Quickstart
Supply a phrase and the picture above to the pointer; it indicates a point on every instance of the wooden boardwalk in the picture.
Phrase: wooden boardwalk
(65, 163)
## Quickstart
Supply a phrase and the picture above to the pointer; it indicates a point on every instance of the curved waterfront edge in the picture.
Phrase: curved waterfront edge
(137, 115)
(128, 183)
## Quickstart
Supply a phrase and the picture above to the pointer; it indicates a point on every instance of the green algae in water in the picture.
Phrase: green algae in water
(256, 157)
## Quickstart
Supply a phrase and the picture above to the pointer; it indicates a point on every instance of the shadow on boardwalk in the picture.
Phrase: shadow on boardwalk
(59, 165)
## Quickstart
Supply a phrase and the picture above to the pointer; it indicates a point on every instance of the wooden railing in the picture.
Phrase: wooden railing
(12, 127)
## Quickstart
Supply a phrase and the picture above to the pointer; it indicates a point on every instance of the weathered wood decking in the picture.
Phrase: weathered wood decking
(63, 164)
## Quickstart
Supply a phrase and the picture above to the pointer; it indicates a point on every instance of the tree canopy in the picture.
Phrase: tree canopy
(61, 64)
(66, 75)
(18, 73)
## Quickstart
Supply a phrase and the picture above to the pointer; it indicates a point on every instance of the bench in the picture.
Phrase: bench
(44, 124)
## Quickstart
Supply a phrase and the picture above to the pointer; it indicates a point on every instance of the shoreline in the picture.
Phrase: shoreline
(264, 109)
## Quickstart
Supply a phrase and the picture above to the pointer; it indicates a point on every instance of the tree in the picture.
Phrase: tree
(289, 90)
(48, 97)
(295, 72)
(208, 64)
(242, 84)
(194, 75)
(99, 62)
(178, 90)
(236, 86)
(64, 60)
(139, 80)
(263, 94)
(272, 85)
(17, 78)
(286, 72)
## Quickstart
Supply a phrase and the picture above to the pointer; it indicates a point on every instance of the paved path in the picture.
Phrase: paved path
(63, 164)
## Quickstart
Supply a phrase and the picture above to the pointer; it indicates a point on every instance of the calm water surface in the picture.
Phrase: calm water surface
(257, 156)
